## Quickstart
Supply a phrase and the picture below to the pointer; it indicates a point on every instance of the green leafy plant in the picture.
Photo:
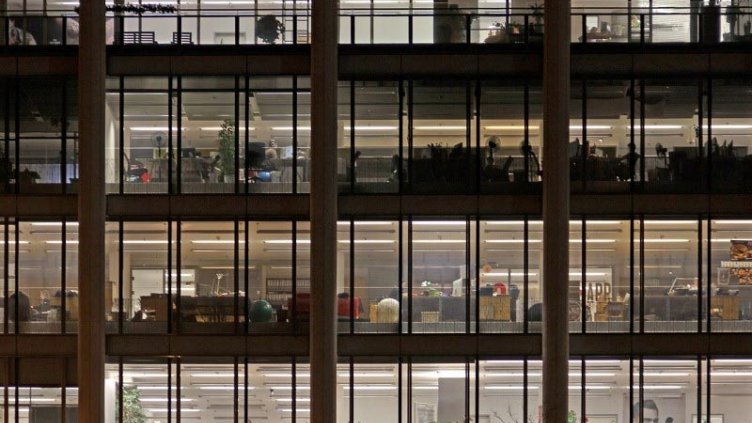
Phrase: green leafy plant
(269, 29)
(537, 13)
(133, 411)
(227, 148)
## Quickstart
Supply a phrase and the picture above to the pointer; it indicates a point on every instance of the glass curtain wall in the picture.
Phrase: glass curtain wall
(418, 275)
(506, 389)
(207, 135)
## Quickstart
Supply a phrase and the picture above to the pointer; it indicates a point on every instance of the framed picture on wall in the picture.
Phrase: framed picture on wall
(714, 418)
(424, 413)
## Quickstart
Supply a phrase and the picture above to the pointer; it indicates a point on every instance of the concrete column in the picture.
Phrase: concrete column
(323, 330)
(91, 211)
(556, 210)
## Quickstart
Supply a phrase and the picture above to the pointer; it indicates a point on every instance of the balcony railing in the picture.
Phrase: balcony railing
(387, 26)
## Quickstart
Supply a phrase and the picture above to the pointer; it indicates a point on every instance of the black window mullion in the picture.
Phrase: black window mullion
(709, 274)
(179, 126)
(236, 140)
(64, 136)
(468, 260)
(400, 152)
(236, 279)
(246, 276)
(17, 132)
(468, 133)
(526, 137)
(178, 271)
(631, 149)
(247, 136)
(294, 253)
(699, 277)
(399, 389)
(121, 408)
(642, 276)
(6, 276)
(16, 261)
(410, 126)
(178, 371)
(63, 265)
(400, 270)
(642, 133)
(235, 390)
(478, 158)
(294, 392)
(169, 277)
(353, 159)
(121, 279)
(583, 385)
(351, 385)
(699, 387)
(351, 305)
(170, 147)
(476, 274)
(121, 131)
(294, 136)
(526, 275)
(583, 275)
(585, 151)
(631, 275)
(409, 274)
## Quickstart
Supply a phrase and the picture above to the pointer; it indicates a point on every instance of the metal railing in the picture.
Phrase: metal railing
(387, 26)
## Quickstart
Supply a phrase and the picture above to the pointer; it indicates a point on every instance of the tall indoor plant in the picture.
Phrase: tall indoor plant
(227, 150)
(133, 411)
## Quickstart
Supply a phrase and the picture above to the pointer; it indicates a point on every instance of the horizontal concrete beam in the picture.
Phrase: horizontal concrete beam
(274, 206)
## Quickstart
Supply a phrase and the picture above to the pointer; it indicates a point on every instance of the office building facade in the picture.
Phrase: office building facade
(380, 211)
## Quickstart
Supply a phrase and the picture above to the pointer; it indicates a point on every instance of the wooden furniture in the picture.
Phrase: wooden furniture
(724, 307)
(498, 308)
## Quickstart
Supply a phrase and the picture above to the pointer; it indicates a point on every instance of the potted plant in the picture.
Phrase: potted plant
(133, 411)
(269, 29)
(227, 150)
(26, 177)
(537, 26)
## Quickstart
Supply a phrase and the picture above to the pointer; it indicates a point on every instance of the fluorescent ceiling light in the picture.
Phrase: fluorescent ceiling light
(372, 128)
(732, 222)
(151, 128)
(371, 387)
(289, 128)
(439, 223)
(145, 241)
(441, 128)
(147, 399)
(368, 241)
(509, 127)
(54, 223)
(216, 241)
(58, 242)
(728, 126)
(509, 387)
(286, 241)
(593, 127)
(439, 241)
(665, 240)
(366, 223)
(671, 222)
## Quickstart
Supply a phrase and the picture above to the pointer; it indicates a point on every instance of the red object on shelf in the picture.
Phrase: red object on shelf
(343, 307)
(500, 289)
(303, 305)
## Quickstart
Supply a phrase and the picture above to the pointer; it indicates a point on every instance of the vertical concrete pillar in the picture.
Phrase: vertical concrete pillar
(323, 330)
(556, 81)
(91, 211)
